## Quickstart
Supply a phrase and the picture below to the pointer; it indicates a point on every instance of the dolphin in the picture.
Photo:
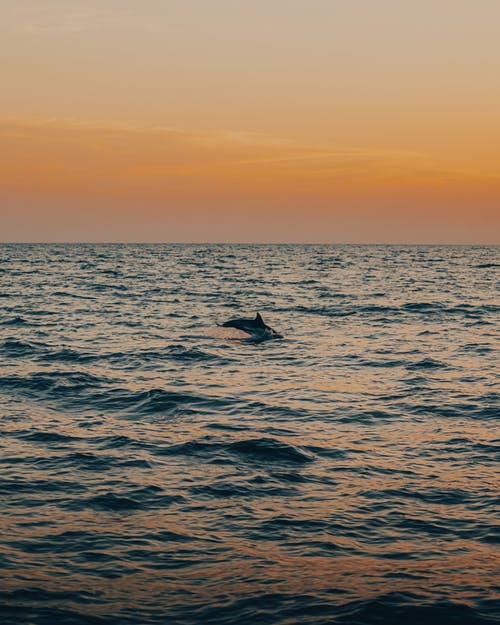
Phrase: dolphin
(257, 329)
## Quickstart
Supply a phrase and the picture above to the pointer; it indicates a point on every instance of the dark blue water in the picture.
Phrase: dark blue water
(156, 468)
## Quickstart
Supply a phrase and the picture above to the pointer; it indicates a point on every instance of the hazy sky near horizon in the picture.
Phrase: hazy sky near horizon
(231, 120)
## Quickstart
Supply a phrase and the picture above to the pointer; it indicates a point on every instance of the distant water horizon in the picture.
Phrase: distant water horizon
(305, 243)
(157, 468)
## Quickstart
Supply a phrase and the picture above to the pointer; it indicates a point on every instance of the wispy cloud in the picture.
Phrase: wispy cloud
(129, 158)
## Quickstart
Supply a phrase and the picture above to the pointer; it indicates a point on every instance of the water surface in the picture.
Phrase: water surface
(157, 469)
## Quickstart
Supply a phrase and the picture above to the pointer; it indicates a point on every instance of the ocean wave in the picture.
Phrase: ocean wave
(250, 491)
(15, 348)
(437, 310)
(324, 311)
(18, 320)
(441, 496)
(58, 383)
(117, 442)
(47, 436)
(270, 450)
(176, 353)
(66, 354)
(395, 608)
(13, 486)
(426, 363)
(138, 499)
(255, 450)
(82, 390)
(387, 363)
(155, 401)
(87, 461)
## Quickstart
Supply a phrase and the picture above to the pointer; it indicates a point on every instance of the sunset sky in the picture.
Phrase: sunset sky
(237, 120)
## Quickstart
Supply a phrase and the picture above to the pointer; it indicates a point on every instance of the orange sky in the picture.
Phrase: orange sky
(284, 120)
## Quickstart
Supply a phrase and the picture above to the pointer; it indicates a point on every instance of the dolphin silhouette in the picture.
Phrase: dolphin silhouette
(258, 330)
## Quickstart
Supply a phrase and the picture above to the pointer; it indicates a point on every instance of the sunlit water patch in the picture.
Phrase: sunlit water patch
(156, 468)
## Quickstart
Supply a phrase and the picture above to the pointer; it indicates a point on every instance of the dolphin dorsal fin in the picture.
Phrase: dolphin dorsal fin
(259, 321)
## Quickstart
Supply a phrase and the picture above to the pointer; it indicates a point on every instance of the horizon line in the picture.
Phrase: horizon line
(448, 244)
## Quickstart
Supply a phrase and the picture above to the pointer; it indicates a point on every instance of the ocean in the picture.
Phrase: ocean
(156, 468)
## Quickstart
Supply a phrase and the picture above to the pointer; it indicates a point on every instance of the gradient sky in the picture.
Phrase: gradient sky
(239, 120)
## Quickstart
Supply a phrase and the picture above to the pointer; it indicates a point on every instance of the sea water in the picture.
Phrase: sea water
(158, 469)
